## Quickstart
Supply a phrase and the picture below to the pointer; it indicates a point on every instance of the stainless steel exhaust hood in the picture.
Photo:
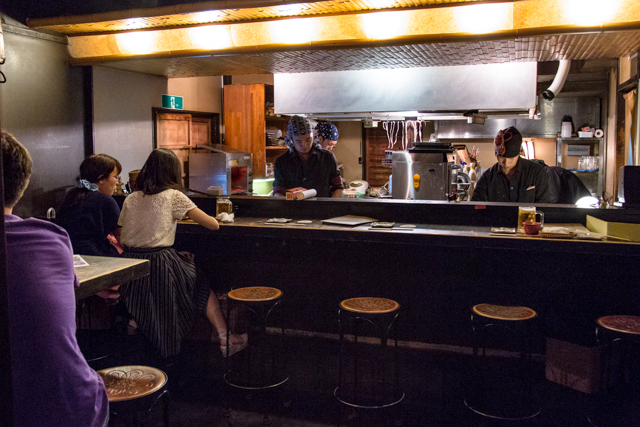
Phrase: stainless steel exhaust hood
(434, 93)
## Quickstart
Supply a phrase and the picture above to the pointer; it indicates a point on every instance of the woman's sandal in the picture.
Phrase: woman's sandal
(233, 348)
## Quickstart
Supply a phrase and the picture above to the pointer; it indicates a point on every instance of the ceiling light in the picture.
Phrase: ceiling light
(385, 25)
(482, 18)
(138, 43)
(207, 16)
(290, 9)
(590, 12)
(135, 23)
(211, 37)
(382, 4)
(293, 31)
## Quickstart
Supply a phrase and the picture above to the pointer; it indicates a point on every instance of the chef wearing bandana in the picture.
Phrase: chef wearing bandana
(512, 179)
(306, 164)
(327, 135)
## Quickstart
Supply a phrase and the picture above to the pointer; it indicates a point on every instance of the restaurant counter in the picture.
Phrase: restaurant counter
(437, 272)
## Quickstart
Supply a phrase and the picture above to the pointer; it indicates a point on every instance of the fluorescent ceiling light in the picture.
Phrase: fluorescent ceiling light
(211, 37)
(385, 25)
(481, 18)
(138, 43)
(290, 9)
(590, 12)
(293, 31)
(135, 23)
(208, 16)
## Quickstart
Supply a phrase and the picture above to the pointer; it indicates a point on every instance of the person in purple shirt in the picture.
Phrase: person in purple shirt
(52, 383)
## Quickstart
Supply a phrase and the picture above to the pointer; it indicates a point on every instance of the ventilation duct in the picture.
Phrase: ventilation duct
(558, 81)
(440, 93)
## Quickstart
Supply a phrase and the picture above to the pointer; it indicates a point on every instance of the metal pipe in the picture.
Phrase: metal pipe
(558, 82)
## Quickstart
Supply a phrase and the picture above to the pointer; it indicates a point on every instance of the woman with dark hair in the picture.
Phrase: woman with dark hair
(88, 212)
(165, 303)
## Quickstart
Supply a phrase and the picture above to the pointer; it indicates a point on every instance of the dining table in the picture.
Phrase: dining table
(102, 273)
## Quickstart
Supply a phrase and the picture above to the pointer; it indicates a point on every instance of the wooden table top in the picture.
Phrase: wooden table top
(106, 272)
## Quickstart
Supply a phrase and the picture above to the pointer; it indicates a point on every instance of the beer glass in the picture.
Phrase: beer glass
(526, 213)
(223, 204)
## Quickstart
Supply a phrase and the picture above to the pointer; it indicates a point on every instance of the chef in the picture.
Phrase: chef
(306, 164)
(327, 135)
(512, 179)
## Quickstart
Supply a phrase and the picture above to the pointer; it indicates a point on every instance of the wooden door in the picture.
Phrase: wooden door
(244, 121)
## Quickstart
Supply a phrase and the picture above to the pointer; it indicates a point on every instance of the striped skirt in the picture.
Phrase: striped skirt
(166, 303)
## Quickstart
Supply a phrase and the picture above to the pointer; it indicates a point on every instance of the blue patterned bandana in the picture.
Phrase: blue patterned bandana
(83, 183)
(297, 126)
(328, 131)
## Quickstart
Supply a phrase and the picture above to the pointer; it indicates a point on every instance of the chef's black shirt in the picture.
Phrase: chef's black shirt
(319, 172)
(529, 184)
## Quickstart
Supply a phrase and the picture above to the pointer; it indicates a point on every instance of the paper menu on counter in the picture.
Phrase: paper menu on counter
(78, 261)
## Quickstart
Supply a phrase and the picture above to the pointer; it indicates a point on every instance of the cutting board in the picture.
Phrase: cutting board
(350, 220)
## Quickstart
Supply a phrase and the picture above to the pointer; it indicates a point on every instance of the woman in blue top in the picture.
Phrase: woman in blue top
(88, 212)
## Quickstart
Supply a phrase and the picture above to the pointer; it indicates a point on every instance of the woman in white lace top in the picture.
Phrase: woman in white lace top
(165, 303)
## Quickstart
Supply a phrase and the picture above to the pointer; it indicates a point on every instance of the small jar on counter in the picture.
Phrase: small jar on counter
(223, 204)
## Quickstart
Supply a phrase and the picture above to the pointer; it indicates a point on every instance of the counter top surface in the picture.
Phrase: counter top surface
(106, 272)
(405, 228)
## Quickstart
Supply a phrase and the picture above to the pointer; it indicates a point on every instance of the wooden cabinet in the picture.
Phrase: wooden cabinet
(181, 131)
(246, 123)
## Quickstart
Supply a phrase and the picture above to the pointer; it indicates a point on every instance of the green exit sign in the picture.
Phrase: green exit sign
(172, 101)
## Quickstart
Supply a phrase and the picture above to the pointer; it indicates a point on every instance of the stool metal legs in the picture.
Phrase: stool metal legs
(369, 385)
(118, 408)
(618, 399)
(266, 369)
(489, 395)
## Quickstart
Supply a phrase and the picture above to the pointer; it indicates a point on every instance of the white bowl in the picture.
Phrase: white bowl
(585, 134)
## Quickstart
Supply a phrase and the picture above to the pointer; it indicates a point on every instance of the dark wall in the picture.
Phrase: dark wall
(42, 105)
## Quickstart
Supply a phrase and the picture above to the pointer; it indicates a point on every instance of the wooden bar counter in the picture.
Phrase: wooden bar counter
(437, 272)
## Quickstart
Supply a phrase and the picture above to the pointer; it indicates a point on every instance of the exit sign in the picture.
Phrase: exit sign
(172, 101)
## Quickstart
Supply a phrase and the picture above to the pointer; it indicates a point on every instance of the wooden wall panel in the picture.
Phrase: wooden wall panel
(244, 118)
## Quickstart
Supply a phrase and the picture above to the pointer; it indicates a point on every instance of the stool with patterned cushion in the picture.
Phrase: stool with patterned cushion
(133, 389)
(502, 395)
(618, 401)
(262, 365)
(368, 382)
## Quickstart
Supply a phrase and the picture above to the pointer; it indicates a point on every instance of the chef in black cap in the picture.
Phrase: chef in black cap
(513, 178)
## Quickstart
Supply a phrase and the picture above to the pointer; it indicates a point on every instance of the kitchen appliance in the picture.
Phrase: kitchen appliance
(629, 186)
(425, 172)
(223, 166)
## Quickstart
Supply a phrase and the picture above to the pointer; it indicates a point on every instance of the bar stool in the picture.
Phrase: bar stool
(486, 395)
(132, 389)
(260, 367)
(618, 335)
(368, 383)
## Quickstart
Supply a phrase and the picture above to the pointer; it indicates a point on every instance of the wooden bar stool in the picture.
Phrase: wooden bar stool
(614, 405)
(132, 389)
(262, 365)
(491, 395)
(371, 382)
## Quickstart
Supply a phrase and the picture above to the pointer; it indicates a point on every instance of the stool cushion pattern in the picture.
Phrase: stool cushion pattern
(624, 324)
(255, 293)
(131, 382)
(504, 312)
(370, 305)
